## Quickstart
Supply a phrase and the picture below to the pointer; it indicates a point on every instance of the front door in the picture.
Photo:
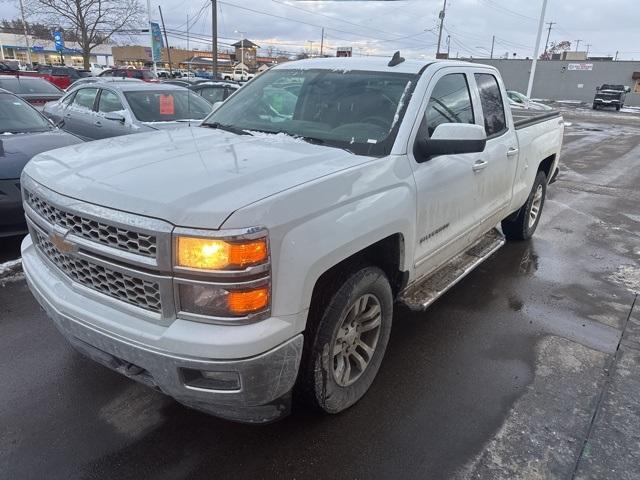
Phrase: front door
(447, 203)
(109, 102)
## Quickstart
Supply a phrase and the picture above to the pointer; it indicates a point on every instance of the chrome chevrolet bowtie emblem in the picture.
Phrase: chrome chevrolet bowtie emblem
(61, 244)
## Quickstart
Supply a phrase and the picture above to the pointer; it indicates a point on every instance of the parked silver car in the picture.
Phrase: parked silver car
(109, 109)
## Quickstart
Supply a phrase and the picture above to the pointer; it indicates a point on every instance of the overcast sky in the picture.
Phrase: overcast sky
(381, 27)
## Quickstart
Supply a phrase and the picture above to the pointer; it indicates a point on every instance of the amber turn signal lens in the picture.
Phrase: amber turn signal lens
(248, 301)
(213, 254)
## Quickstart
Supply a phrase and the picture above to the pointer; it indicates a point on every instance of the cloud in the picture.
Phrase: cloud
(382, 27)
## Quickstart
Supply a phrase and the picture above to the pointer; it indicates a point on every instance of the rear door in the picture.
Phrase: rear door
(447, 207)
(80, 116)
(495, 176)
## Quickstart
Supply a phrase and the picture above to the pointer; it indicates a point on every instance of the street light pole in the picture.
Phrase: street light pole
(537, 48)
(214, 38)
(26, 34)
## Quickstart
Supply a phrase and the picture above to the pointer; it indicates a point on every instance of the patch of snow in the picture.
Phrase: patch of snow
(11, 271)
(629, 276)
(396, 117)
(276, 137)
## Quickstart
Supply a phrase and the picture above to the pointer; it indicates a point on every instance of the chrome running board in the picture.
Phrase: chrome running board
(423, 292)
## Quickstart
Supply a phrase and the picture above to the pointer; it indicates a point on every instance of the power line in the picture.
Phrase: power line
(300, 21)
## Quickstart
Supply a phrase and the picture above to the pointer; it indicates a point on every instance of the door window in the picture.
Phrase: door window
(495, 121)
(85, 98)
(109, 102)
(212, 94)
(450, 102)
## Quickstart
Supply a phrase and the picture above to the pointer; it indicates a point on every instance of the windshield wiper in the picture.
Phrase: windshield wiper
(226, 128)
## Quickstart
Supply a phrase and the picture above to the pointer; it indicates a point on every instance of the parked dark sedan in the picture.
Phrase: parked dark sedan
(24, 132)
(36, 91)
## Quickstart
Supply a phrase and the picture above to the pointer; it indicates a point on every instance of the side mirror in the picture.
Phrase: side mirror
(114, 116)
(453, 139)
(597, 89)
(627, 89)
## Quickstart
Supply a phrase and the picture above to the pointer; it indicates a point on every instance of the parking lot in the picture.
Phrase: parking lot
(528, 368)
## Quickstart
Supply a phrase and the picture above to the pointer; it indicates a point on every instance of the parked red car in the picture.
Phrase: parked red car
(61, 77)
(140, 74)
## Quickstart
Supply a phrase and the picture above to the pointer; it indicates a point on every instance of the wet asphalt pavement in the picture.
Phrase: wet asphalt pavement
(520, 371)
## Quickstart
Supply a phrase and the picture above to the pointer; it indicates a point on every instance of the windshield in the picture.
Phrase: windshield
(17, 116)
(167, 105)
(618, 88)
(356, 110)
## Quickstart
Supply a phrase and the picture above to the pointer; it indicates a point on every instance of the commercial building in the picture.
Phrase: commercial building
(569, 80)
(139, 56)
(14, 47)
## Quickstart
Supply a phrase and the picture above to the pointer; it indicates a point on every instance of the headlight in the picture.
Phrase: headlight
(221, 301)
(222, 276)
(215, 254)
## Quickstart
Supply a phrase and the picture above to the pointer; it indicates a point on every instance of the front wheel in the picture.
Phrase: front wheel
(345, 346)
(525, 222)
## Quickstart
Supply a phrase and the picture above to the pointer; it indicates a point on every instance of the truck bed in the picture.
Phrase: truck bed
(523, 118)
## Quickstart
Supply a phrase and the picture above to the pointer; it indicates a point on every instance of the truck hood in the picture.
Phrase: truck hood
(191, 177)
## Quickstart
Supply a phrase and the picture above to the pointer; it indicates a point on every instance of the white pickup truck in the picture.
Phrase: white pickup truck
(257, 259)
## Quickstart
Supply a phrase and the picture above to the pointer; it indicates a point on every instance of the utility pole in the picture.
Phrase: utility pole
(588, 48)
(577, 44)
(615, 59)
(441, 16)
(546, 46)
(535, 52)
(214, 39)
(166, 41)
(322, 43)
(448, 45)
(26, 35)
(493, 44)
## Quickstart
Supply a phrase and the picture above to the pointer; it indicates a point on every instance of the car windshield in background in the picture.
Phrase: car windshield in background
(356, 110)
(25, 85)
(167, 105)
(17, 116)
(617, 88)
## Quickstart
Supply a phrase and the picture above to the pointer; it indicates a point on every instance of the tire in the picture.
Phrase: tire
(525, 222)
(618, 108)
(595, 107)
(323, 381)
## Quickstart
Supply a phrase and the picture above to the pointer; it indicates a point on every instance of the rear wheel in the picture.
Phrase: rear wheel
(523, 225)
(595, 107)
(344, 347)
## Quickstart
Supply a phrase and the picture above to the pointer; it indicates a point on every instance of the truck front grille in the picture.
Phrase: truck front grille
(136, 291)
(116, 237)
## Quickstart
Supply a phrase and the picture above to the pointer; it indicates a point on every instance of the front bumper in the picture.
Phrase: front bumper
(264, 381)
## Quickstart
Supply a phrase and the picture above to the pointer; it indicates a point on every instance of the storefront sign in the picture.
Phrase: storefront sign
(581, 66)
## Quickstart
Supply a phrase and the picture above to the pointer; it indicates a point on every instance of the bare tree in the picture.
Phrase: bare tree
(93, 22)
(556, 47)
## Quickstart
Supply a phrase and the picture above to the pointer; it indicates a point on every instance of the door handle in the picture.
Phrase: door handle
(480, 165)
(98, 123)
(68, 115)
(512, 151)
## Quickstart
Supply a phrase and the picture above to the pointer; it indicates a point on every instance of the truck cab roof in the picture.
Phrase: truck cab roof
(375, 64)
